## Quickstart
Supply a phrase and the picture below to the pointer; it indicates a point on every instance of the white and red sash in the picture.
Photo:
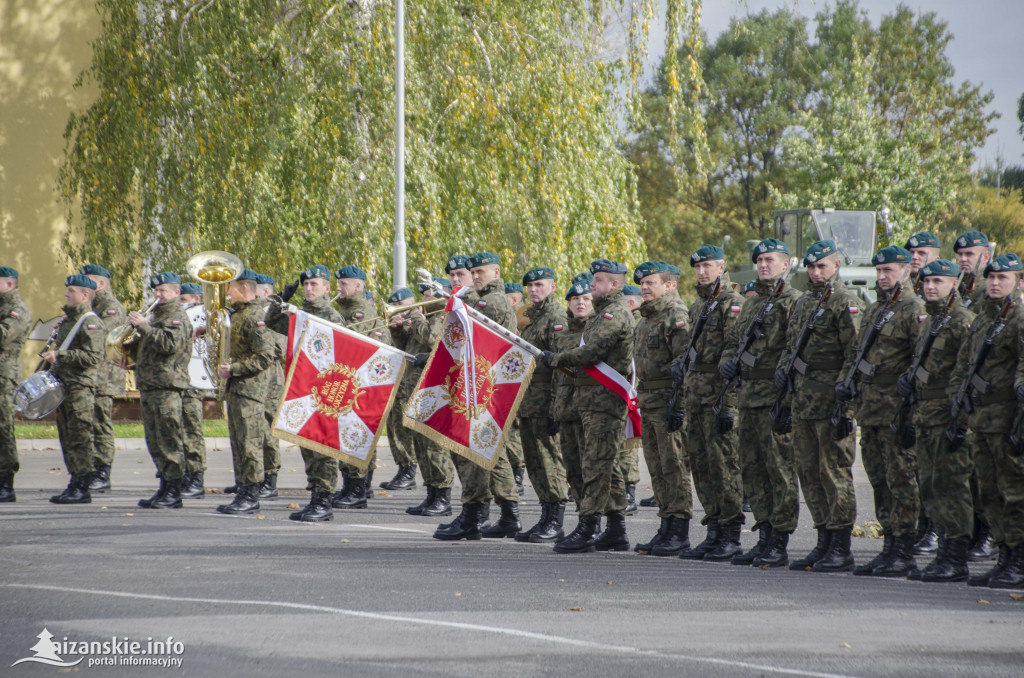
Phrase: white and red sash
(608, 376)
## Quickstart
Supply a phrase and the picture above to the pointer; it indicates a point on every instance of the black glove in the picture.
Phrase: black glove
(421, 360)
(1020, 393)
(545, 357)
(725, 421)
(553, 426)
(677, 371)
(956, 436)
(289, 291)
(905, 385)
(844, 427)
(781, 379)
(729, 369)
(675, 419)
(844, 393)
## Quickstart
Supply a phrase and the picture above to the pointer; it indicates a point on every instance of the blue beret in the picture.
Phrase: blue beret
(511, 288)
(482, 259)
(95, 269)
(318, 271)
(648, 268)
(368, 294)
(191, 288)
(893, 254)
(706, 253)
(249, 274)
(631, 290)
(940, 267)
(970, 239)
(457, 261)
(350, 272)
(539, 273)
(400, 294)
(578, 288)
(608, 266)
(79, 280)
(586, 275)
(163, 278)
(1004, 262)
(768, 245)
(922, 239)
(264, 279)
(750, 286)
(8, 272)
(674, 270)
(819, 250)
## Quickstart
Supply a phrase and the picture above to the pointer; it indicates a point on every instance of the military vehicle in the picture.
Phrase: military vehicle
(855, 233)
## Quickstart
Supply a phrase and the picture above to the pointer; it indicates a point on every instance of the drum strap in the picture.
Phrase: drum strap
(74, 330)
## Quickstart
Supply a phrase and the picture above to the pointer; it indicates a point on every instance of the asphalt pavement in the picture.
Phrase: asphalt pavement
(372, 594)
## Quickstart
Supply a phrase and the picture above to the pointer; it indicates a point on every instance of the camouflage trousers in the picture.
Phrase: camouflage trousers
(161, 421)
(353, 472)
(629, 464)
(247, 429)
(824, 466)
(103, 431)
(272, 445)
(768, 470)
(74, 428)
(400, 437)
(669, 465)
(9, 464)
(514, 446)
(192, 431)
(570, 437)
(480, 485)
(1001, 477)
(436, 465)
(892, 472)
(944, 477)
(604, 487)
(543, 461)
(321, 471)
(716, 467)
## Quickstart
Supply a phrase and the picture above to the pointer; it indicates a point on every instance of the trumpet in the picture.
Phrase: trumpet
(391, 310)
(122, 343)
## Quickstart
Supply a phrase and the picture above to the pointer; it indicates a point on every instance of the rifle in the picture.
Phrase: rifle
(753, 333)
(962, 400)
(780, 413)
(884, 315)
(901, 424)
(691, 352)
(969, 281)
(1015, 438)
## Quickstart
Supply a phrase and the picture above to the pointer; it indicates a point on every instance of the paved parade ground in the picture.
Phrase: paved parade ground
(372, 594)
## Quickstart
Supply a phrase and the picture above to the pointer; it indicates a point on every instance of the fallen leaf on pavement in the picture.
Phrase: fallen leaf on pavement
(857, 531)
(292, 505)
(845, 644)
(983, 601)
(1017, 596)
(575, 609)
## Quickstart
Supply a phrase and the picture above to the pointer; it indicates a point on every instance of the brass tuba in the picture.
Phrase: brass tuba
(215, 269)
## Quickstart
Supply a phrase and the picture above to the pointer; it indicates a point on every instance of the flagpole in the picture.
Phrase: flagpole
(398, 260)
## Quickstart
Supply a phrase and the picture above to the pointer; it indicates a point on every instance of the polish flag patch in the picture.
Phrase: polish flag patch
(922, 318)
(482, 303)
(378, 334)
(853, 309)
(15, 314)
(111, 312)
(176, 322)
(609, 316)
(260, 323)
(358, 316)
(558, 328)
(92, 327)
(681, 323)
(735, 309)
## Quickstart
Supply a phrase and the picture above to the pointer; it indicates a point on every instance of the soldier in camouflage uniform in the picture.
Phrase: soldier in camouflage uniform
(15, 324)
(629, 455)
(570, 425)
(514, 441)
(321, 469)
(891, 469)
(110, 379)
(252, 352)
(193, 482)
(661, 334)
(161, 375)
(606, 344)
(824, 461)
(540, 444)
(710, 437)
(400, 437)
(75, 362)
(275, 391)
(995, 389)
(768, 468)
(479, 485)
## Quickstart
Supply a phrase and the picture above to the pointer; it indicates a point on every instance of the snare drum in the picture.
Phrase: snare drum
(38, 395)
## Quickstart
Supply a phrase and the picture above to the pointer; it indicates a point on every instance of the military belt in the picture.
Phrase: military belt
(705, 367)
(540, 377)
(881, 379)
(653, 384)
(1001, 396)
(761, 374)
(934, 392)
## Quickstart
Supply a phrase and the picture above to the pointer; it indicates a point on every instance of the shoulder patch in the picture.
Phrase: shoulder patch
(176, 322)
(680, 323)
(735, 308)
(853, 309)
(922, 317)
(609, 316)
(558, 328)
(358, 316)
(112, 311)
(481, 303)
(92, 327)
(261, 323)
(379, 335)
(15, 314)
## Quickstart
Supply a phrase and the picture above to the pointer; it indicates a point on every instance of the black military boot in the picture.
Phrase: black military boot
(7, 489)
(441, 505)
(917, 572)
(901, 561)
(650, 502)
(77, 492)
(774, 554)
(545, 508)
(631, 506)
(580, 540)
(319, 509)
(677, 539)
(347, 487)
(926, 541)
(817, 553)
(405, 479)
(417, 510)
(268, 488)
(614, 536)
(983, 546)
(728, 543)
(764, 533)
(194, 486)
(838, 558)
(160, 490)
(662, 533)
(519, 473)
(1011, 576)
(231, 489)
(356, 497)
(950, 564)
(1002, 561)
(171, 498)
(867, 568)
(465, 526)
(246, 501)
(100, 478)
(552, 529)
(710, 542)
(508, 524)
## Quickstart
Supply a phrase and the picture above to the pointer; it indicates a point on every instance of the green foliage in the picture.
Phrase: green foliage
(999, 214)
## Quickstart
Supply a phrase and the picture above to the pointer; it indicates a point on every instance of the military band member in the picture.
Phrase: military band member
(570, 425)
(629, 457)
(15, 324)
(161, 375)
(400, 437)
(193, 482)
(275, 391)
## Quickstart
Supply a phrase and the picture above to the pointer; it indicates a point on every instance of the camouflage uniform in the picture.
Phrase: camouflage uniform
(824, 464)
(252, 352)
(514, 439)
(109, 382)
(77, 367)
(564, 410)
(275, 391)
(15, 324)
(543, 460)
(608, 335)
(400, 437)
(713, 457)
(321, 469)
(944, 474)
(192, 423)
(661, 334)
(768, 468)
(891, 469)
(629, 455)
